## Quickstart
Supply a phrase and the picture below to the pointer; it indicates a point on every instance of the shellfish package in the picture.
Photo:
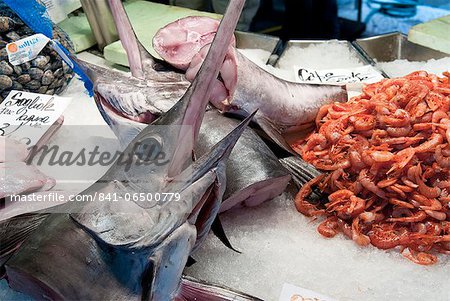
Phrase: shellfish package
(34, 52)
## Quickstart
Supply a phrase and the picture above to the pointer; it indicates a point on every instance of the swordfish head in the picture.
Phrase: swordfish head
(137, 99)
(150, 90)
(135, 246)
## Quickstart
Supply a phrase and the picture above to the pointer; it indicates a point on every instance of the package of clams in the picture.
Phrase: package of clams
(45, 74)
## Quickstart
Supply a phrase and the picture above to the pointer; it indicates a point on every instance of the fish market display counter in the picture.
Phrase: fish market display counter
(280, 246)
(280, 249)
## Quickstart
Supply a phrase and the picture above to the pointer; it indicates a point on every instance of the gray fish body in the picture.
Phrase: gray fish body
(285, 104)
(95, 272)
(283, 107)
(254, 174)
(111, 245)
(14, 231)
(194, 290)
(302, 172)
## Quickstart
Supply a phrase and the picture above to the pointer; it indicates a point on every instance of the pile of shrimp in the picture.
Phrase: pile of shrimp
(386, 161)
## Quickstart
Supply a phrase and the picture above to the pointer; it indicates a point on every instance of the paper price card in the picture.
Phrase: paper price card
(366, 74)
(26, 116)
(294, 293)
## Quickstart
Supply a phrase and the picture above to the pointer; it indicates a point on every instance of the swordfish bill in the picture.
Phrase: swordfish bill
(125, 250)
(128, 39)
(201, 89)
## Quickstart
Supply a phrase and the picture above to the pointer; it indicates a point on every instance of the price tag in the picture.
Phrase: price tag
(26, 49)
(365, 74)
(294, 293)
(26, 116)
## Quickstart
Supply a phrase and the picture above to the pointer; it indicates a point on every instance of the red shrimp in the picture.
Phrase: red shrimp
(420, 257)
(329, 227)
(369, 184)
(302, 205)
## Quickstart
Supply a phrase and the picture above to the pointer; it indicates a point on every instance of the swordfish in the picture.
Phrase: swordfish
(123, 249)
(253, 172)
(283, 107)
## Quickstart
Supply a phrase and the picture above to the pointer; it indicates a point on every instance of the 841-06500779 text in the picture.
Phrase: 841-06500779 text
(99, 196)
(139, 197)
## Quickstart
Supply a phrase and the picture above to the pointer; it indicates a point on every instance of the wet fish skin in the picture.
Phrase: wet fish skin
(14, 231)
(283, 106)
(253, 171)
(142, 255)
(15, 224)
(104, 255)
(249, 87)
(285, 103)
(254, 174)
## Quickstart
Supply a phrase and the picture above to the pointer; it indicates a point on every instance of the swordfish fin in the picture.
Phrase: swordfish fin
(273, 132)
(302, 173)
(219, 232)
(199, 92)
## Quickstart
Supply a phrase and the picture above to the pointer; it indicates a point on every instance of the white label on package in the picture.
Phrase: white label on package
(294, 293)
(26, 116)
(366, 74)
(26, 49)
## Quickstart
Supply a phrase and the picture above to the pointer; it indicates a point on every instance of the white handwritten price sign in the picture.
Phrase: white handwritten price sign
(26, 116)
(364, 74)
(294, 293)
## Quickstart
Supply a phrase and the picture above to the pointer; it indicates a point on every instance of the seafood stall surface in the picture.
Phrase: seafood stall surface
(279, 246)
(257, 56)
(254, 174)
(403, 67)
(328, 55)
(384, 155)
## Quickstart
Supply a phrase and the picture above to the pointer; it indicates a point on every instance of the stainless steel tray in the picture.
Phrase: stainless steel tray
(256, 41)
(392, 46)
(249, 40)
(306, 43)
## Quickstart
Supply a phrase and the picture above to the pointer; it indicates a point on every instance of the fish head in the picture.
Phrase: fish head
(181, 198)
(127, 96)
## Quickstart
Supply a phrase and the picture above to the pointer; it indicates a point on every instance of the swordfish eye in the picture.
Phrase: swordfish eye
(149, 148)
